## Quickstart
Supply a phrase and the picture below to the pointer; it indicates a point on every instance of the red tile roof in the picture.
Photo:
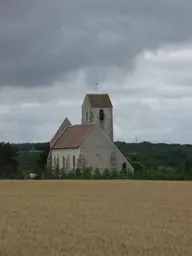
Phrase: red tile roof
(72, 137)
(65, 123)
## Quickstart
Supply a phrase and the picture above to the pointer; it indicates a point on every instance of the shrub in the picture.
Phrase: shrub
(96, 174)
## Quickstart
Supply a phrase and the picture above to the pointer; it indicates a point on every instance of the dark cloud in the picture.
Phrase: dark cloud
(42, 41)
(139, 51)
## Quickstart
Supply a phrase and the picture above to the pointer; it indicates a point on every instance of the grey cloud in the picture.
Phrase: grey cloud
(57, 48)
(42, 41)
(147, 117)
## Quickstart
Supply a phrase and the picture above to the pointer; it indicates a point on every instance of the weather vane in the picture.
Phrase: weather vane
(96, 87)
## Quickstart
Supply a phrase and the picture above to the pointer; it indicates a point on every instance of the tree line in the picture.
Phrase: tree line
(8, 161)
(159, 161)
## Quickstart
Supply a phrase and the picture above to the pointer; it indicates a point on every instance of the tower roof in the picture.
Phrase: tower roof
(100, 100)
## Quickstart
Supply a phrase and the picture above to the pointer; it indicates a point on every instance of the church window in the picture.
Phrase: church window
(113, 159)
(55, 162)
(101, 115)
(82, 161)
(63, 163)
(87, 116)
(67, 162)
(91, 116)
(58, 161)
(74, 162)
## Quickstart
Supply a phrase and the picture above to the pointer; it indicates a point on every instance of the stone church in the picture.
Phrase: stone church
(89, 144)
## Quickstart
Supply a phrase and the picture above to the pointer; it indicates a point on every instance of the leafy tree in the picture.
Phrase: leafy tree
(42, 161)
(8, 162)
(151, 161)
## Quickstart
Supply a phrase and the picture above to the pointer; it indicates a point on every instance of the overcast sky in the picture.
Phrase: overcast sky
(54, 52)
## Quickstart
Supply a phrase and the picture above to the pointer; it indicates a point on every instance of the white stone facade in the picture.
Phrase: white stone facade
(90, 144)
(100, 115)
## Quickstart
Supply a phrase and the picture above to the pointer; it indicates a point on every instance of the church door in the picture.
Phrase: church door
(124, 166)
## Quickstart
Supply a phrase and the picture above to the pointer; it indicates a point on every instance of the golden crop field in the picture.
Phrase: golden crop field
(91, 218)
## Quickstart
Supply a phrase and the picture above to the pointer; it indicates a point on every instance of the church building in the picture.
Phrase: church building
(89, 144)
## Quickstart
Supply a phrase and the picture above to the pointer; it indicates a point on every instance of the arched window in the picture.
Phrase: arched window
(74, 162)
(91, 116)
(113, 159)
(101, 115)
(58, 165)
(64, 163)
(55, 162)
(82, 161)
(67, 163)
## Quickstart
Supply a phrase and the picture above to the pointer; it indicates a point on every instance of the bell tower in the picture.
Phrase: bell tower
(97, 108)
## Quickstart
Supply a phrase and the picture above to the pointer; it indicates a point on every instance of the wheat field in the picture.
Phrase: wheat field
(95, 218)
